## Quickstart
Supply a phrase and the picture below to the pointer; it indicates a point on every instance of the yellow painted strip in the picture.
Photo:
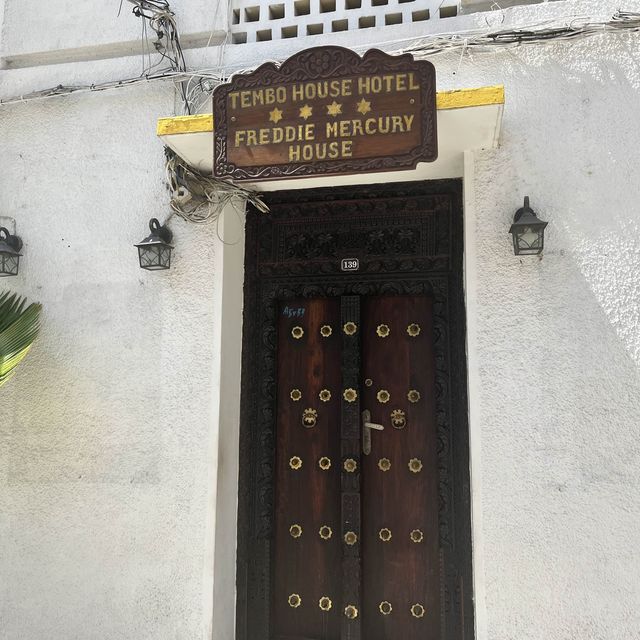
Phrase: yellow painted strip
(202, 123)
(470, 97)
(457, 99)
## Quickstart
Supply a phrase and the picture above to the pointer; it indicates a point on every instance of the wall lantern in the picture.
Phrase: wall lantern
(155, 250)
(9, 253)
(527, 231)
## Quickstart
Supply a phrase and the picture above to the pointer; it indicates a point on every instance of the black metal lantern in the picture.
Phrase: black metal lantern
(155, 250)
(527, 231)
(9, 253)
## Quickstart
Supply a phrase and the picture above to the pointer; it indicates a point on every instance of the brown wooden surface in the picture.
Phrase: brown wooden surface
(273, 122)
(400, 571)
(310, 497)
(408, 237)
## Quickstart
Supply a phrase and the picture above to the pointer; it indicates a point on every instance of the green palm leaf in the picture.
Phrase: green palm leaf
(19, 327)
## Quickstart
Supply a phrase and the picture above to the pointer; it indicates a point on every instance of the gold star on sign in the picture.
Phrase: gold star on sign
(306, 111)
(364, 106)
(334, 109)
(275, 116)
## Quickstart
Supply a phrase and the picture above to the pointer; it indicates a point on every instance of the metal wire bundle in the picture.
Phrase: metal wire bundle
(161, 19)
(201, 199)
(200, 83)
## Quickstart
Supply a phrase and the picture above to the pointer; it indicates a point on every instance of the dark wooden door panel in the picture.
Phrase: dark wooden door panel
(401, 582)
(408, 238)
(308, 560)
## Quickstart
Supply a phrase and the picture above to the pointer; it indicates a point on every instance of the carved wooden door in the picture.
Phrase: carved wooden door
(356, 548)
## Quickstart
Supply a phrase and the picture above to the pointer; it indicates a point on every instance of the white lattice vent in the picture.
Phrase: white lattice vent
(261, 20)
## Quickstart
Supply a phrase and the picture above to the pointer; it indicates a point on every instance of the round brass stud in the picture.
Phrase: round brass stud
(350, 465)
(325, 603)
(385, 608)
(297, 332)
(325, 532)
(383, 396)
(351, 611)
(309, 418)
(398, 419)
(417, 610)
(324, 463)
(383, 330)
(416, 536)
(350, 538)
(413, 396)
(415, 465)
(350, 328)
(295, 394)
(325, 330)
(295, 530)
(384, 534)
(350, 395)
(295, 462)
(413, 329)
(294, 600)
(325, 395)
(368, 382)
(384, 464)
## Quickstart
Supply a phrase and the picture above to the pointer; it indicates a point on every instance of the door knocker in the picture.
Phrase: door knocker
(325, 603)
(309, 417)
(385, 608)
(398, 419)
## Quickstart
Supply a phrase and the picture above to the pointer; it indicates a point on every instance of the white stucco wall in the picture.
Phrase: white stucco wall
(109, 448)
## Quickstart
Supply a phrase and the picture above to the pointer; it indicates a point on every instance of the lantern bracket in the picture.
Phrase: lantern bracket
(15, 242)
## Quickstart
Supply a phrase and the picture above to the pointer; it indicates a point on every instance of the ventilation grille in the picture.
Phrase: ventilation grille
(258, 21)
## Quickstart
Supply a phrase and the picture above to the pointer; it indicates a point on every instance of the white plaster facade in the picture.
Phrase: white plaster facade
(118, 436)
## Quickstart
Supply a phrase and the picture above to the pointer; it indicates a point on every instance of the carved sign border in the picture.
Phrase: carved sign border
(323, 63)
(443, 281)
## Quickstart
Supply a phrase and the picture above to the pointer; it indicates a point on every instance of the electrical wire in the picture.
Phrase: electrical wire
(197, 85)
(199, 198)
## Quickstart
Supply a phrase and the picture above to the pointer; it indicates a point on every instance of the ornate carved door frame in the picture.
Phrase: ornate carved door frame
(408, 238)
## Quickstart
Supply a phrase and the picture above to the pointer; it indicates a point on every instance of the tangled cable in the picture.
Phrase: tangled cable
(202, 82)
(201, 199)
(161, 19)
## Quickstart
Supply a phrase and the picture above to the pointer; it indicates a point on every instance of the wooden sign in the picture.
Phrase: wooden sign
(325, 111)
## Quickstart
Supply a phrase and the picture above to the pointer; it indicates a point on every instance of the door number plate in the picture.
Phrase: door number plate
(350, 264)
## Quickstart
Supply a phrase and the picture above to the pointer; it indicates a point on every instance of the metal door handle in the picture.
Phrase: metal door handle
(367, 425)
